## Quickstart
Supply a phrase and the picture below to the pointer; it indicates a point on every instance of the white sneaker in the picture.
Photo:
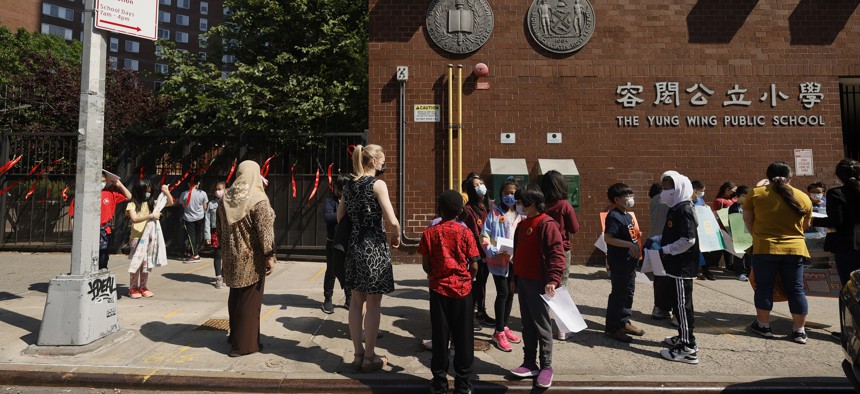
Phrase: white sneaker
(681, 354)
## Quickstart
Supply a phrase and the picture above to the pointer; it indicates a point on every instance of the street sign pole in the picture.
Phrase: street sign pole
(81, 305)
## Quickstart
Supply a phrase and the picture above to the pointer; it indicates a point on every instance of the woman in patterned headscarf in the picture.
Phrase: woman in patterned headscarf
(246, 230)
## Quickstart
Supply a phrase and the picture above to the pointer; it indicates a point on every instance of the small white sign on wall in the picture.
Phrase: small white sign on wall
(428, 113)
(803, 162)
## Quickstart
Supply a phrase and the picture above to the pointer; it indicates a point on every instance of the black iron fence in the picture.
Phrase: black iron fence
(35, 208)
(850, 100)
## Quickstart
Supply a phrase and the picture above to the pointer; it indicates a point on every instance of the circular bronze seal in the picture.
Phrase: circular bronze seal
(459, 26)
(561, 26)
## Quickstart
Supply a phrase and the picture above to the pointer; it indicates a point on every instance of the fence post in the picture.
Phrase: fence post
(4, 157)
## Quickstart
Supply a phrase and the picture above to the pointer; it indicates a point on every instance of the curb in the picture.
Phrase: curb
(376, 385)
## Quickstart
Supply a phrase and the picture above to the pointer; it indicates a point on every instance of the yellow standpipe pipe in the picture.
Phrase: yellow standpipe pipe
(450, 126)
(460, 126)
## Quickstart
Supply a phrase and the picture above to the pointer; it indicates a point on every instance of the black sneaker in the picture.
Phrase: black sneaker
(327, 306)
(476, 323)
(486, 320)
(681, 354)
(799, 337)
(763, 331)
(676, 341)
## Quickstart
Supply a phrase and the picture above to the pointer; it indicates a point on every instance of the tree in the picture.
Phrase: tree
(300, 70)
(42, 74)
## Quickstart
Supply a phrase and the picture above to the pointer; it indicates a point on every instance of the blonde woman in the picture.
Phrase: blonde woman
(369, 274)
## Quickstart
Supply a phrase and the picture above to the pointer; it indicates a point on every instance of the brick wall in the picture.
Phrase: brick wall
(15, 14)
(718, 44)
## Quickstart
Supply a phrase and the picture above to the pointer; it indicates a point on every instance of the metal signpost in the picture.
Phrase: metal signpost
(81, 306)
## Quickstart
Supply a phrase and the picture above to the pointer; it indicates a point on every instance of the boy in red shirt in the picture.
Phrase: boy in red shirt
(538, 268)
(450, 259)
(113, 193)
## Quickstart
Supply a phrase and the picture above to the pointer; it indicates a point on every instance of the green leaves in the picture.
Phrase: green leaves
(300, 69)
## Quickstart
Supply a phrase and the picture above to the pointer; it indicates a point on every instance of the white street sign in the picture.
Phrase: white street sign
(137, 18)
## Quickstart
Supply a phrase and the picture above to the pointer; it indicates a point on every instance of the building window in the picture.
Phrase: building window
(228, 59)
(204, 24)
(57, 31)
(182, 37)
(165, 2)
(130, 64)
(113, 62)
(163, 34)
(186, 4)
(202, 56)
(157, 85)
(158, 50)
(58, 12)
(132, 46)
(160, 68)
(182, 20)
(225, 74)
(114, 44)
(164, 16)
(202, 41)
(204, 8)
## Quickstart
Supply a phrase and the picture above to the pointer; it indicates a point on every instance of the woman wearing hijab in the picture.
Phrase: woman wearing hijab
(679, 253)
(776, 216)
(245, 229)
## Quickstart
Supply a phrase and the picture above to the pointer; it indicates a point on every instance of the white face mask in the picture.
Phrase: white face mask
(103, 185)
(148, 194)
(667, 196)
(629, 201)
(700, 195)
(816, 196)
(219, 193)
(481, 190)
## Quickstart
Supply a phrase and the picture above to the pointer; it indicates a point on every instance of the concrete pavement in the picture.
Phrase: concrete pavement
(163, 344)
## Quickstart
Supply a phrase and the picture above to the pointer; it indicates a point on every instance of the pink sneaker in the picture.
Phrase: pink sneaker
(146, 293)
(544, 378)
(134, 293)
(527, 370)
(501, 341)
(512, 338)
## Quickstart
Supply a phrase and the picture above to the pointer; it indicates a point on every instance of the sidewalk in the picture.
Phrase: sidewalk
(162, 344)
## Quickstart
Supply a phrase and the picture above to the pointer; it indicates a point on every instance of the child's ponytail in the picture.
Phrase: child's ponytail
(778, 173)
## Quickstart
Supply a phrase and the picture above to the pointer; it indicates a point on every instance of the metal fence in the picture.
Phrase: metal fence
(39, 220)
(850, 100)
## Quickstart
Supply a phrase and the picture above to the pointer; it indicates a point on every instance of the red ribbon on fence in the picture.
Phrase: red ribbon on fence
(316, 185)
(330, 185)
(32, 190)
(32, 170)
(232, 170)
(141, 173)
(190, 190)
(350, 149)
(72, 208)
(175, 185)
(264, 170)
(65, 196)
(9, 164)
(36, 182)
(293, 177)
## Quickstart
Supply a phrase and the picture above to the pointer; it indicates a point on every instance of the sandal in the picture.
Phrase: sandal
(373, 364)
(356, 362)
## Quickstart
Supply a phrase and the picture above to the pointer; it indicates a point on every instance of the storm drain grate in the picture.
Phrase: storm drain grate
(215, 324)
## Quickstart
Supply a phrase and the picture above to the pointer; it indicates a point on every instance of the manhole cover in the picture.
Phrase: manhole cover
(481, 345)
(215, 324)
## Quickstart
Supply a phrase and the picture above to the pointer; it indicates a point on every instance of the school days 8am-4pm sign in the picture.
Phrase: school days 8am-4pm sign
(137, 18)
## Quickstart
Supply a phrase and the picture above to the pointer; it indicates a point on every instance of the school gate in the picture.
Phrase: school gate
(35, 208)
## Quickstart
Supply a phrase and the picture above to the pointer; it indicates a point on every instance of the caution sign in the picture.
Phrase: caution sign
(428, 113)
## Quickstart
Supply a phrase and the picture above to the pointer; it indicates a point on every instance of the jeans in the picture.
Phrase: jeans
(619, 308)
(790, 269)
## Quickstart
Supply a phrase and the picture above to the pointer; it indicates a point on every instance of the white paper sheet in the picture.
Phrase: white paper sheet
(642, 278)
(567, 314)
(109, 176)
(818, 214)
(600, 243)
(505, 245)
(653, 263)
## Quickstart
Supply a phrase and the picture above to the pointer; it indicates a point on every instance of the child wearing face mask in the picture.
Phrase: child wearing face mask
(623, 257)
(474, 213)
(209, 233)
(501, 222)
(141, 210)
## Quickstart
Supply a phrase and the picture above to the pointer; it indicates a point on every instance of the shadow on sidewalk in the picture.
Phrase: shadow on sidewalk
(23, 322)
(181, 334)
(188, 278)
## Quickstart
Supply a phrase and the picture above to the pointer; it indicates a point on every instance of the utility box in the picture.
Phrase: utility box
(504, 169)
(567, 168)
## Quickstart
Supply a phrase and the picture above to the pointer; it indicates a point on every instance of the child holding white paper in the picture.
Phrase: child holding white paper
(500, 224)
(623, 257)
(538, 266)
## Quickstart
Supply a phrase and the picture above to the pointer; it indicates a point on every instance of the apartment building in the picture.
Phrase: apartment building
(180, 21)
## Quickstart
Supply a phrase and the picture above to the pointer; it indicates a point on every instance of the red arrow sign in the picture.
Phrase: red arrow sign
(121, 25)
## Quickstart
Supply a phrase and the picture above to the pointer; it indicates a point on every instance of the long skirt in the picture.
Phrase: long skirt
(244, 305)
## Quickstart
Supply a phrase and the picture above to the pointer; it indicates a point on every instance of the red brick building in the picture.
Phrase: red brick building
(774, 70)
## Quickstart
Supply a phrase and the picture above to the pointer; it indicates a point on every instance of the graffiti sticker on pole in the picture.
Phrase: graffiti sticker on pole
(137, 18)
(428, 113)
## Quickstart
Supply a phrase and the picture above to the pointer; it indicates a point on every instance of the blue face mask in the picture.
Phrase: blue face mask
(509, 200)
